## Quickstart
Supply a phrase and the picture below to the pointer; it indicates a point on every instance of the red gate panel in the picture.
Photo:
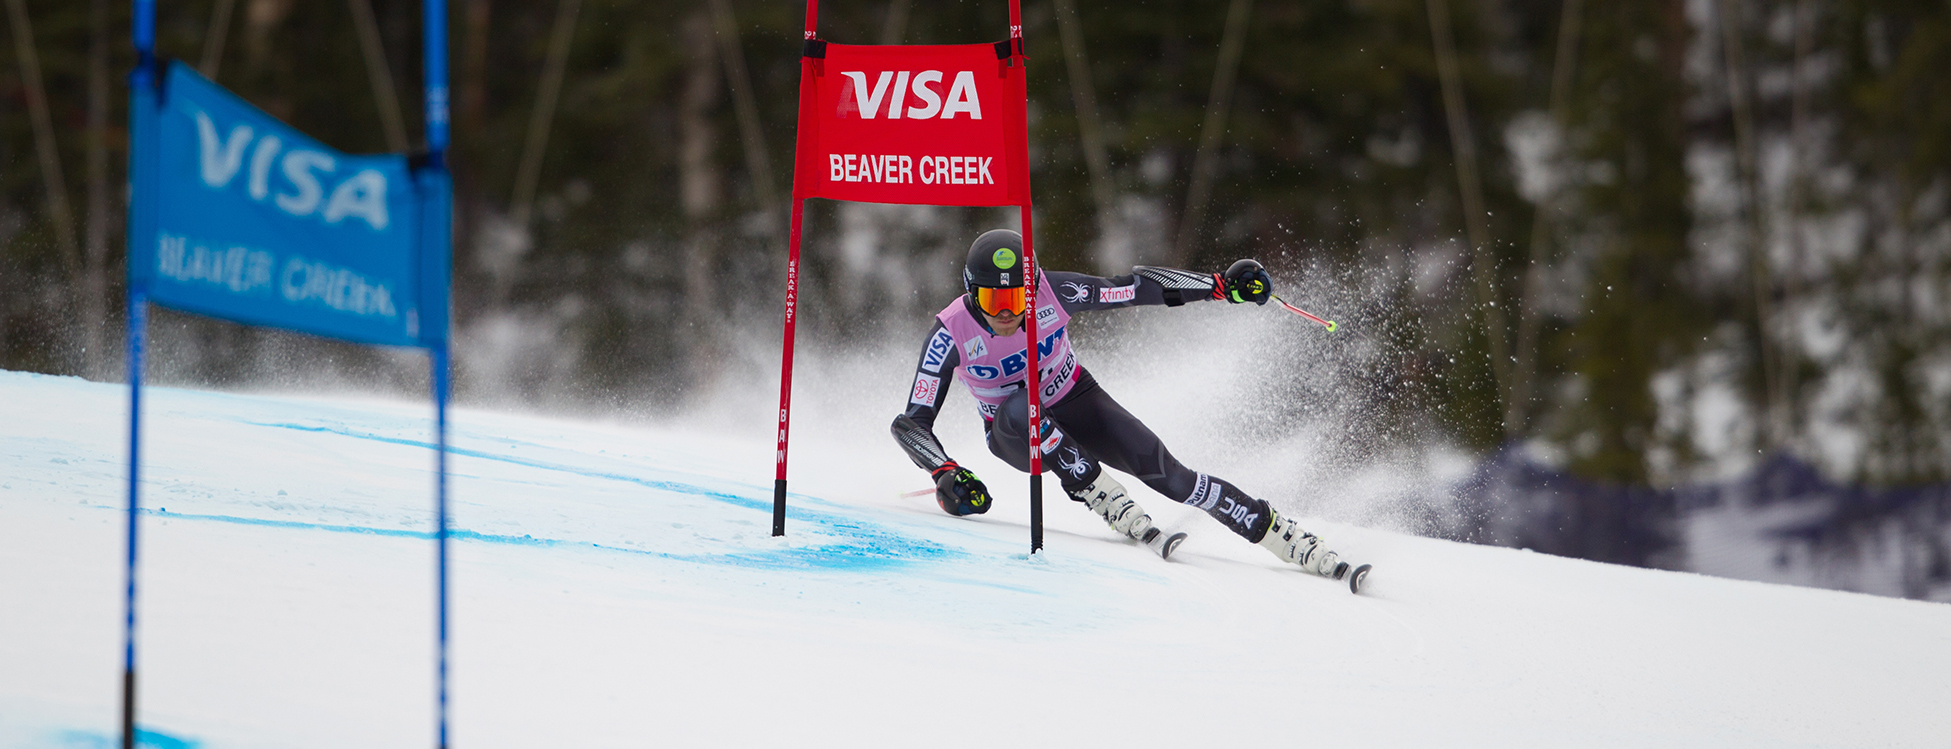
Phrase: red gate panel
(930, 125)
(916, 124)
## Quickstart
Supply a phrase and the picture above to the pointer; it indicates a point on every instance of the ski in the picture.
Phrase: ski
(1160, 542)
(1357, 577)
(1164, 543)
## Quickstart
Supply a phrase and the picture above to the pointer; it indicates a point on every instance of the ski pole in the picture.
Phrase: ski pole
(917, 493)
(1329, 324)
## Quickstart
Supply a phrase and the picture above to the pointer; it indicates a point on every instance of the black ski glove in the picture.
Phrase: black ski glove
(1245, 281)
(958, 490)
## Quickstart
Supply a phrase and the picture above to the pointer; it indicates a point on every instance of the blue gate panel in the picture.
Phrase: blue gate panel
(256, 222)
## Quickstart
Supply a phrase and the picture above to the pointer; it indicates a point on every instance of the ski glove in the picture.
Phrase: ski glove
(1245, 281)
(958, 490)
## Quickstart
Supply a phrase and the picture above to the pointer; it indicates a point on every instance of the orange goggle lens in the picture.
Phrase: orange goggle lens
(998, 301)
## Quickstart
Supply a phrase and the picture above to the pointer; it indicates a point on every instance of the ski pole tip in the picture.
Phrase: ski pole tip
(1332, 326)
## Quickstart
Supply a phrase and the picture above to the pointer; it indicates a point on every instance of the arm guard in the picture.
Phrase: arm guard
(919, 443)
(1145, 286)
(1179, 286)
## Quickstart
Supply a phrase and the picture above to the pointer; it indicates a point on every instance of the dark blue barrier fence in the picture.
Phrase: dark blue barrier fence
(1809, 528)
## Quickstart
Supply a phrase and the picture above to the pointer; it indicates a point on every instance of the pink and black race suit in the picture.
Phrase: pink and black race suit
(995, 366)
(1083, 427)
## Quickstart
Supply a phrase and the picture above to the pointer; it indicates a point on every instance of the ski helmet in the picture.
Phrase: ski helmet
(993, 273)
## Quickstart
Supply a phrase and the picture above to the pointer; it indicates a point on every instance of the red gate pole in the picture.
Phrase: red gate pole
(792, 281)
(1031, 330)
(1030, 281)
(786, 371)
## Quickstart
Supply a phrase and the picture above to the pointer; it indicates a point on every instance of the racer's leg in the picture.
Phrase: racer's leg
(1082, 477)
(1121, 441)
(1009, 438)
(1105, 429)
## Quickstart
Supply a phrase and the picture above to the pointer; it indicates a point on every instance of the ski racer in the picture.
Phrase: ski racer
(979, 337)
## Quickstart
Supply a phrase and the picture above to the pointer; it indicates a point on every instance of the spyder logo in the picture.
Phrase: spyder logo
(1076, 465)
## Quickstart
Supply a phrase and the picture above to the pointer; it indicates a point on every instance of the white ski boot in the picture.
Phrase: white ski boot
(1108, 499)
(1287, 541)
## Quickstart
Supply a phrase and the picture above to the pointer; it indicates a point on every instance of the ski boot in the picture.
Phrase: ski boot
(1286, 540)
(1108, 499)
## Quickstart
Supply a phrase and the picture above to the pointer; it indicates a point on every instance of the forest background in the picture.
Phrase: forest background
(1627, 254)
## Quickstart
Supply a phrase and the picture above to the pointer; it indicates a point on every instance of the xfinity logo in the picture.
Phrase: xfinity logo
(923, 87)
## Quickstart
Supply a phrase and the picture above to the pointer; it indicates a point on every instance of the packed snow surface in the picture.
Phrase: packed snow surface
(618, 585)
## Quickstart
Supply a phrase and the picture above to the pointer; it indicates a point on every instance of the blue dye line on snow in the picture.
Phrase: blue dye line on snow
(863, 554)
(677, 487)
(672, 486)
(867, 546)
(144, 737)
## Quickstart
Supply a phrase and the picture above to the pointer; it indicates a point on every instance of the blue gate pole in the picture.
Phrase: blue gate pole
(138, 329)
(436, 75)
(143, 31)
(440, 384)
(434, 53)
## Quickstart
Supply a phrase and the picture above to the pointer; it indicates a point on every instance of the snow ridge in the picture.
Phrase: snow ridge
(616, 586)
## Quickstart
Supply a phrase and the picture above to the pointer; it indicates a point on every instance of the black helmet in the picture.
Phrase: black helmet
(995, 261)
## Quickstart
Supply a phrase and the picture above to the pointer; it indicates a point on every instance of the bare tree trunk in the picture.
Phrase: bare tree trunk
(1755, 205)
(470, 118)
(1901, 342)
(1115, 250)
(261, 18)
(751, 135)
(895, 26)
(45, 146)
(378, 75)
(213, 39)
(94, 299)
(1483, 264)
(700, 191)
(473, 96)
(1516, 411)
(540, 118)
(1798, 195)
(513, 240)
(1212, 130)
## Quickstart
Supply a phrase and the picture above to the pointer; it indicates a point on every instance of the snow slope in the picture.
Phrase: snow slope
(617, 586)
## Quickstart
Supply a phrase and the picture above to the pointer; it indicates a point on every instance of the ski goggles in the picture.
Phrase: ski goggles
(998, 301)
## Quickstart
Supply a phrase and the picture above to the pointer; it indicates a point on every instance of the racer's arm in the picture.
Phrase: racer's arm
(1150, 285)
(957, 489)
(914, 429)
